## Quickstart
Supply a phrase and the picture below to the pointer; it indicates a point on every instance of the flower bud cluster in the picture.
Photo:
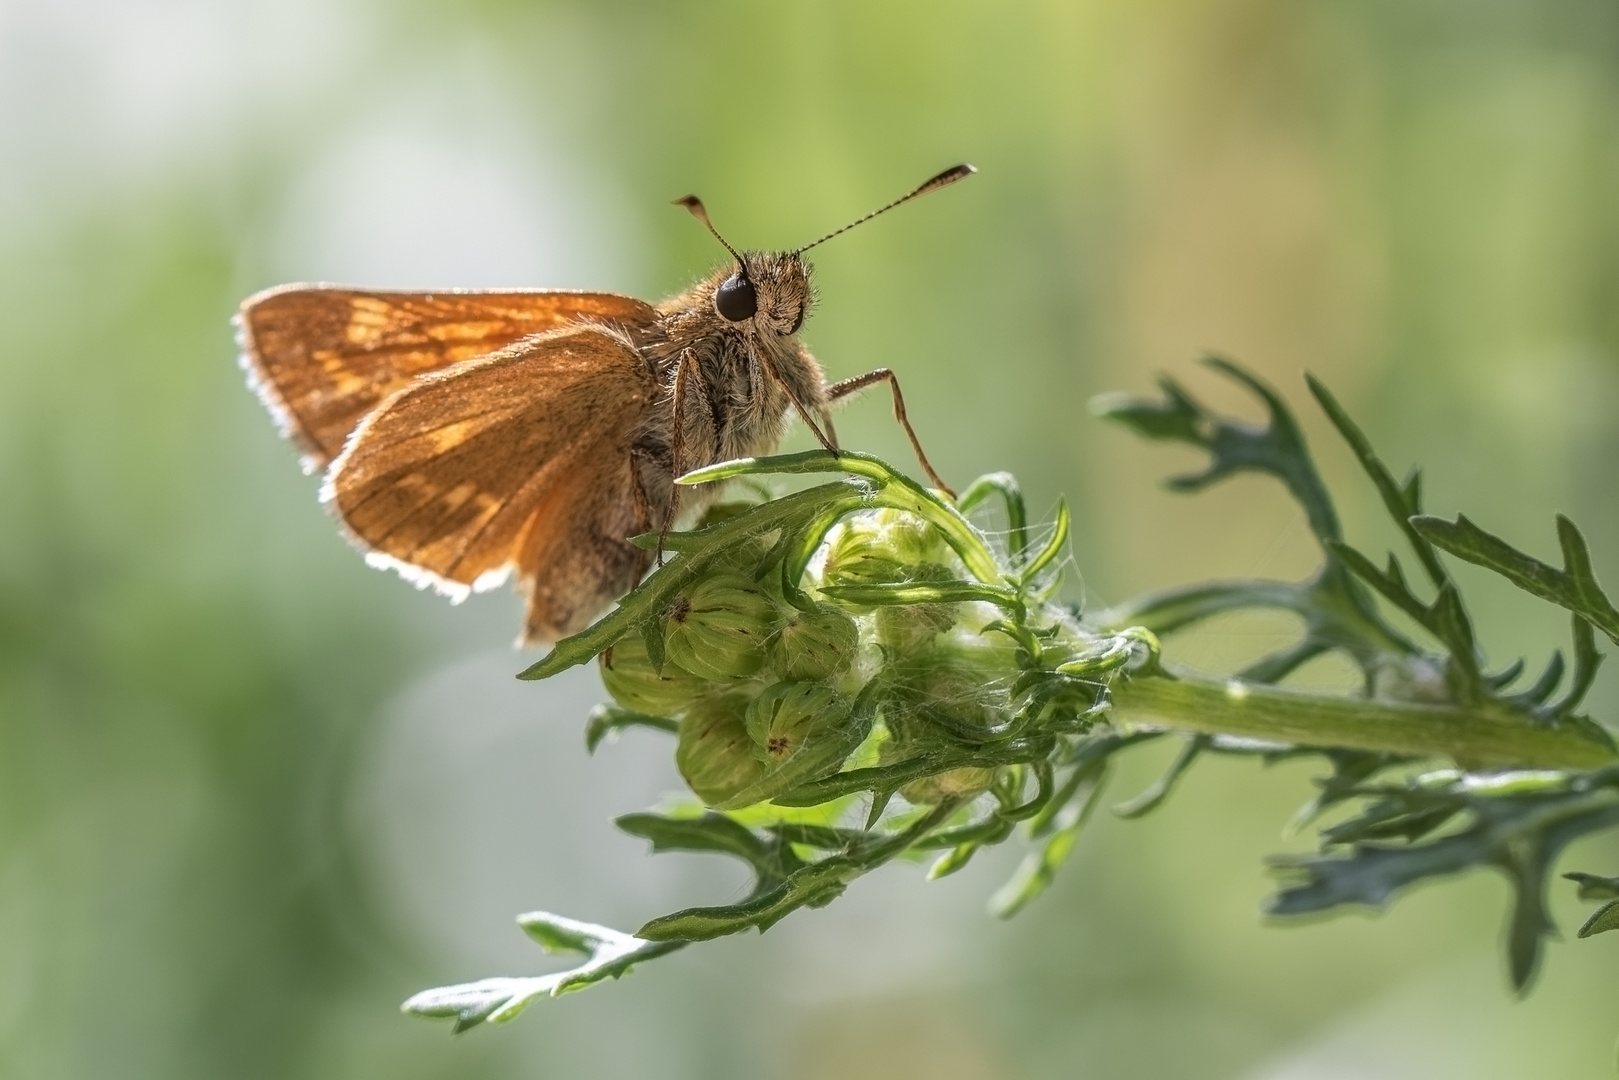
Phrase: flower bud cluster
(750, 680)
(765, 689)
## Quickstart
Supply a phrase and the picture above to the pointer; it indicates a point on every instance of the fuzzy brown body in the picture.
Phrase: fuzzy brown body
(739, 380)
(466, 435)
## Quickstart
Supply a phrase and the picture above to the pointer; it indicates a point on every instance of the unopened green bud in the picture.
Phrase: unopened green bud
(634, 683)
(799, 733)
(952, 784)
(912, 539)
(816, 644)
(881, 547)
(714, 753)
(850, 563)
(719, 627)
(789, 716)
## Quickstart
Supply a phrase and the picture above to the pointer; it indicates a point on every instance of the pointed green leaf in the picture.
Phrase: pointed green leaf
(1011, 493)
(1054, 545)
(713, 833)
(607, 720)
(1155, 794)
(1603, 919)
(952, 860)
(1574, 587)
(1401, 502)
(921, 592)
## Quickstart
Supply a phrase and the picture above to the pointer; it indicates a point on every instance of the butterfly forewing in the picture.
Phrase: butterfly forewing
(520, 458)
(322, 357)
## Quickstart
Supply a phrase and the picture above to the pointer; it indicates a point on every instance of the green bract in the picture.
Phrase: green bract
(904, 628)
(935, 698)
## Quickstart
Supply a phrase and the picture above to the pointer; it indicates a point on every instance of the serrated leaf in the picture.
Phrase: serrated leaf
(1389, 583)
(809, 886)
(1446, 618)
(1507, 675)
(1574, 587)
(1586, 661)
(557, 933)
(1082, 779)
(1541, 689)
(1278, 448)
(1175, 609)
(611, 953)
(1520, 835)
(1279, 665)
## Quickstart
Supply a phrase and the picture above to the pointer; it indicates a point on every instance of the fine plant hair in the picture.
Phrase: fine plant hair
(862, 669)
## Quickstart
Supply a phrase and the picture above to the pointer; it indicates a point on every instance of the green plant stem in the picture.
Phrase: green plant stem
(1473, 738)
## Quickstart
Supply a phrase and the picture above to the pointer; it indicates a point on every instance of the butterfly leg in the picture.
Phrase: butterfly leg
(677, 447)
(826, 425)
(639, 459)
(762, 358)
(860, 382)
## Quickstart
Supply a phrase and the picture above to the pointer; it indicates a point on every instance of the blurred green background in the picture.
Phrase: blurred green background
(252, 794)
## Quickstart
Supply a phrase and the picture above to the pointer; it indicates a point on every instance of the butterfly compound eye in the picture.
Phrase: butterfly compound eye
(735, 298)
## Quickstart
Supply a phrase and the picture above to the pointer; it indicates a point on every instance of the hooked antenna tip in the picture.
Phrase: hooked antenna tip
(949, 176)
(695, 205)
(932, 183)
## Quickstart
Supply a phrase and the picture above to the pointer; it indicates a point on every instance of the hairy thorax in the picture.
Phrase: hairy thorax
(728, 385)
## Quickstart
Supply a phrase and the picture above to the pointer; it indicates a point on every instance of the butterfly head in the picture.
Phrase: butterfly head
(767, 291)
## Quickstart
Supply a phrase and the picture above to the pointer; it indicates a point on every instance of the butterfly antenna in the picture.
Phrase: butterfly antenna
(698, 211)
(933, 183)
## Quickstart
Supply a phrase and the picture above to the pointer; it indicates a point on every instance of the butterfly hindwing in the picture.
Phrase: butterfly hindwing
(519, 459)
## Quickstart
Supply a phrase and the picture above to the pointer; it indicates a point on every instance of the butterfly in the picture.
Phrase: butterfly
(469, 435)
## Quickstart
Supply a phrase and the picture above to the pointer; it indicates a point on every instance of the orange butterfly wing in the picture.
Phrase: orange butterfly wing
(517, 459)
(322, 356)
